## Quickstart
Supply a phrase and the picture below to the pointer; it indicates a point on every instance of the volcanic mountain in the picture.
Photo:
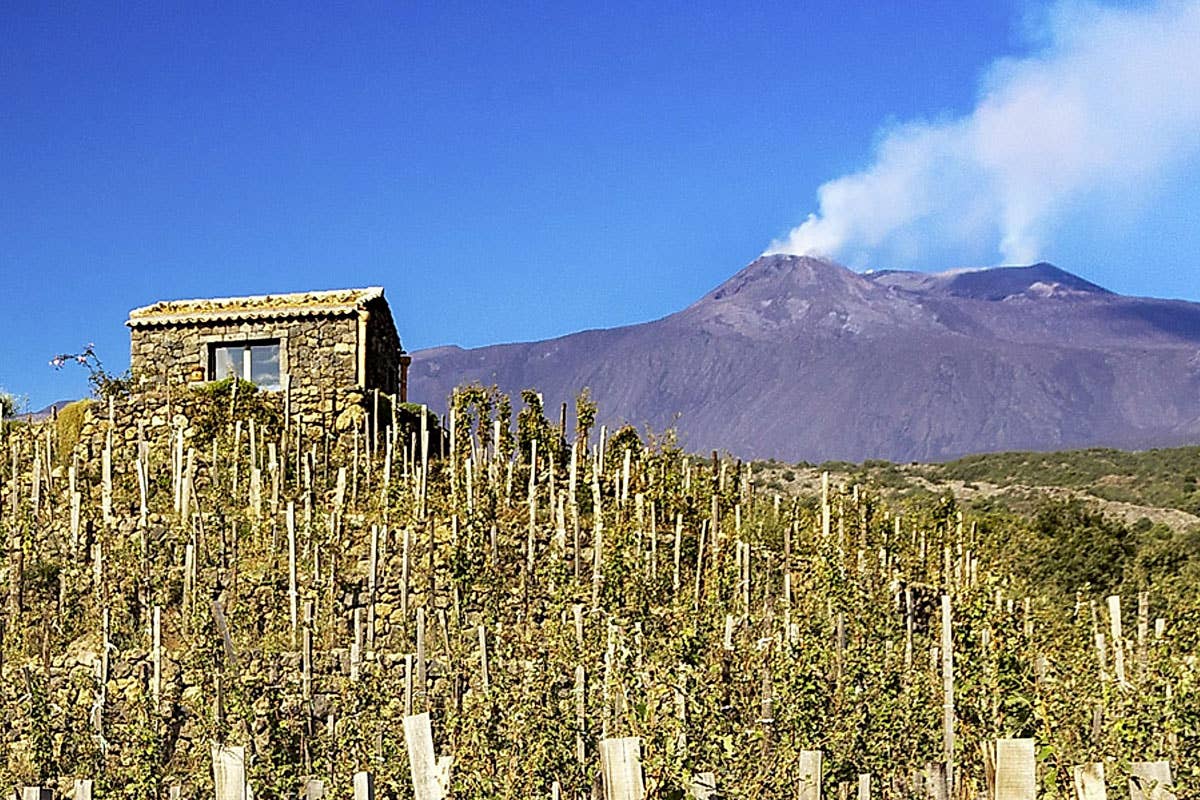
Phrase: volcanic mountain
(800, 358)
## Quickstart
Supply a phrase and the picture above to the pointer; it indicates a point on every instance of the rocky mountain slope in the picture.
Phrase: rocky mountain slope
(800, 358)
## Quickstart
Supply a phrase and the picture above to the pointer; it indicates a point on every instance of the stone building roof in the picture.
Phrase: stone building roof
(332, 303)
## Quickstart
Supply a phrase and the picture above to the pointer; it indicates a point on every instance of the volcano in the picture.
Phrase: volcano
(799, 358)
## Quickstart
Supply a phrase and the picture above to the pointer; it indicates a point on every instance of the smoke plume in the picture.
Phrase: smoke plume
(1106, 110)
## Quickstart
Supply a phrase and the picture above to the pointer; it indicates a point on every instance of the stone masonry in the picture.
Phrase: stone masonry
(334, 347)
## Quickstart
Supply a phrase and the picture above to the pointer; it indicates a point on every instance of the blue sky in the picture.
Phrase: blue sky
(506, 171)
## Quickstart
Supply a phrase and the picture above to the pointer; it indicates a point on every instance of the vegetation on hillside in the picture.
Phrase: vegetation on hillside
(1165, 478)
(537, 593)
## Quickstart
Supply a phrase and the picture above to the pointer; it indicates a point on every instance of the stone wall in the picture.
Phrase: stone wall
(319, 354)
(383, 350)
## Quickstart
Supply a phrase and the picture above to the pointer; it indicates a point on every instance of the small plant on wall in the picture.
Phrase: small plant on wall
(104, 384)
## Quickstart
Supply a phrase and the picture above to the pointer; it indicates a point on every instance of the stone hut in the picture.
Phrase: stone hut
(318, 348)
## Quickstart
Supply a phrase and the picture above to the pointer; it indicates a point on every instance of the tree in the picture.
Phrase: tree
(1076, 548)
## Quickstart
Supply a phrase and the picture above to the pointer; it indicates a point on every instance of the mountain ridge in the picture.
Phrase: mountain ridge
(801, 358)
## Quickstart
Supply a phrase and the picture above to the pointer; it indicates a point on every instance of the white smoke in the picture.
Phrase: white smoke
(1105, 112)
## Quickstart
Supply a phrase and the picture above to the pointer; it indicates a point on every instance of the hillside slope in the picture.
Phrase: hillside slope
(800, 358)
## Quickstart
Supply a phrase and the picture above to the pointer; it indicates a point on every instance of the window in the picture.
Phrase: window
(257, 362)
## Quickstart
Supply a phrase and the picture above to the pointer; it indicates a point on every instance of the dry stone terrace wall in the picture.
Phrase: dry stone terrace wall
(331, 415)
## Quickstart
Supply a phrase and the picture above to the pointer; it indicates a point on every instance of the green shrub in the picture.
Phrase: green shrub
(1075, 548)
(220, 403)
(69, 424)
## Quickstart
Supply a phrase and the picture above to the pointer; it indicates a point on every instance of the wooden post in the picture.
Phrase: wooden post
(532, 533)
(421, 674)
(1089, 781)
(909, 628)
(1150, 780)
(186, 489)
(825, 510)
(1016, 770)
(678, 538)
(424, 458)
(864, 786)
(597, 541)
(580, 714)
(189, 585)
(404, 573)
(703, 786)
(229, 772)
(653, 542)
(418, 737)
(356, 645)
(1118, 640)
(408, 684)
(372, 587)
(218, 612)
(811, 775)
(306, 654)
(255, 500)
(483, 659)
(83, 789)
(106, 488)
(156, 654)
(364, 786)
(947, 693)
(1143, 632)
(293, 590)
(573, 501)
(936, 781)
(76, 509)
(621, 765)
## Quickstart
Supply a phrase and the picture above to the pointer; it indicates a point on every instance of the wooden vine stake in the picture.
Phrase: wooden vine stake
(229, 772)
(1016, 771)
(703, 786)
(947, 693)
(935, 779)
(580, 714)
(864, 786)
(621, 765)
(364, 786)
(483, 660)
(811, 774)
(106, 487)
(293, 589)
(1089, 781)
(156, 655)
(427, 778)
(1118, 640)
(1150, 780)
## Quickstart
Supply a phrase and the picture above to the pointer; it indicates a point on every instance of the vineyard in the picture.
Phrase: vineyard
(177, 586)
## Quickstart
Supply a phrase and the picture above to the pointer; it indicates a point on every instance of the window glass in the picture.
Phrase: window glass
(264, 365)
(226, 361)
(257, 362)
